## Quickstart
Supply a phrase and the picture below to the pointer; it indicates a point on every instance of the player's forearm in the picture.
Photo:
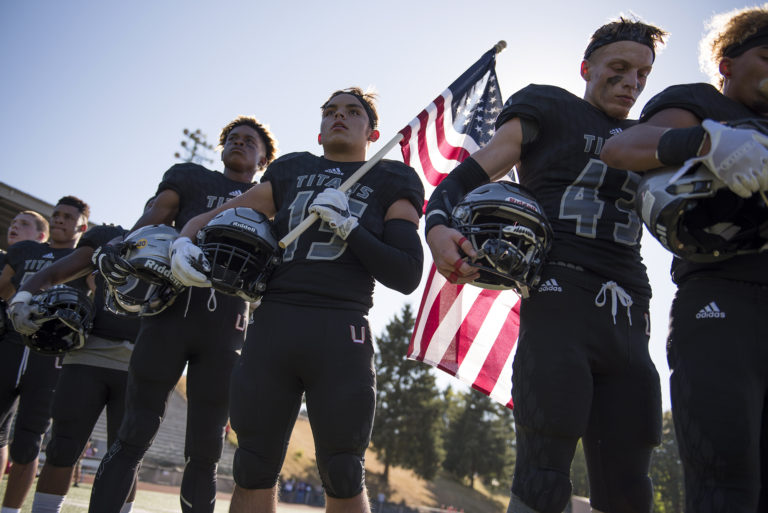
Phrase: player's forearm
(396, 261)
(76, 264)
(633, 149)
(196, 223)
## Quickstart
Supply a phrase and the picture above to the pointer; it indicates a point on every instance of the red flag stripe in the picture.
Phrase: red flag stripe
(472, 323)
(447, 150)
(437, 312)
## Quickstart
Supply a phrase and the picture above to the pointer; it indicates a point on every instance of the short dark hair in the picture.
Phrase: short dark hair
(41, 223)
(79, 204)
(270, 143)
(625, 29)
(366, 98)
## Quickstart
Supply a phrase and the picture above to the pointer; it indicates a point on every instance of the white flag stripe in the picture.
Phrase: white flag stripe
(502, 392)
(484, 340)
(450, 324)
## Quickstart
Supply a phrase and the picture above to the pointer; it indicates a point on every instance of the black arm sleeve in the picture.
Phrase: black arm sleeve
(396, 260)
(465, 177)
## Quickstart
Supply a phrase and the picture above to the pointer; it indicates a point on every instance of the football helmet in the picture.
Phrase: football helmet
(507, 228)
(696, 217)
(65, 315)
(242, 249)
(154, 288)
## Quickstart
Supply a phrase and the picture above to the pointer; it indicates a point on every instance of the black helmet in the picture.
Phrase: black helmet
(66, 316)
(242, 249)
(507, 227)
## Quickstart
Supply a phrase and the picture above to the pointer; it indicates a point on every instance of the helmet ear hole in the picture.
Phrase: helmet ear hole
(508, 229)
(242, 249)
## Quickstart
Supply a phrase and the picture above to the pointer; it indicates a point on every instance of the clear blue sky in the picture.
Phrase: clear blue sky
(94, 95)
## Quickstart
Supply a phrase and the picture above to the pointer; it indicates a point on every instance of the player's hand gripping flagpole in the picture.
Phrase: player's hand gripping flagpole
(349, 182)
(465, 331)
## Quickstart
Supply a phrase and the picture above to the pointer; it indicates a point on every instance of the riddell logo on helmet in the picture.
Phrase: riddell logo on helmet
(244, 227)
(524, 204)
(163, 271)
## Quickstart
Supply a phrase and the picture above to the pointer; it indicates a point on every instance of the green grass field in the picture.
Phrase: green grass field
(146, 501)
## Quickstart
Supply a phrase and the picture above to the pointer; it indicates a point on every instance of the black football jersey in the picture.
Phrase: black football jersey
(318, 269)
(105, 323)
(589, 205)
(26, 257)
(706, 102)
(199, 189)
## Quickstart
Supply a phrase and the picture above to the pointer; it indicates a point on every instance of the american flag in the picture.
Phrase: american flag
(465, 331)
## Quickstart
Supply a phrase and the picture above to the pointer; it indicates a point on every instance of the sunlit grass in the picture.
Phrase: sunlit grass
(146, 501)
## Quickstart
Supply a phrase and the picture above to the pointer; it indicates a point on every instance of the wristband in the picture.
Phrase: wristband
(677, 145)
(465, 177)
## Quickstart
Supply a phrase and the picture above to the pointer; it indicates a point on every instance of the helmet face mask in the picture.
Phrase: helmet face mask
(242, 250)
(697, 218)
(138, 297)
(66, 316)
(508, 230)
(153, 288)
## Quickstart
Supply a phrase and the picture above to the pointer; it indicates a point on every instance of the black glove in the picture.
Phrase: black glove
(112, 266)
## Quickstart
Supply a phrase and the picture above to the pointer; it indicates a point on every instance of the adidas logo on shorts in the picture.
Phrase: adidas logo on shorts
(711, 311)
(550, 286)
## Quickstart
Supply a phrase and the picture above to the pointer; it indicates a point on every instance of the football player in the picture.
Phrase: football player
(25, 374)
(27, 225)
(717, 349)
(589, 374)
(326, 279)
(92, 377)
(201, 331)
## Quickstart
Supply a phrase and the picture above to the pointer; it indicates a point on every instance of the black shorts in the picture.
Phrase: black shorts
(291, 350)
(582, 372)
(81, 395)
(718, 355)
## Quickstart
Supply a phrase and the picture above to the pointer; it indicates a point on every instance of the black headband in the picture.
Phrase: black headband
(615, 38)
(759, 38)
(372, 120)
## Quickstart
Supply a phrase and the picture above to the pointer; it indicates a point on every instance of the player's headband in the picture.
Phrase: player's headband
(759, 38)
(636, 33)
(372, 118)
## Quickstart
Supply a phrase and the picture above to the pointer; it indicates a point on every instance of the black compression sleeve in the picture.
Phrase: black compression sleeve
(396, 260)
(465, 177)
(680, 144)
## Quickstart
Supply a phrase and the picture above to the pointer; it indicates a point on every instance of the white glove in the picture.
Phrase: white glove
(188, 263)
(738, 157)
(332, 206)
(20, 312)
